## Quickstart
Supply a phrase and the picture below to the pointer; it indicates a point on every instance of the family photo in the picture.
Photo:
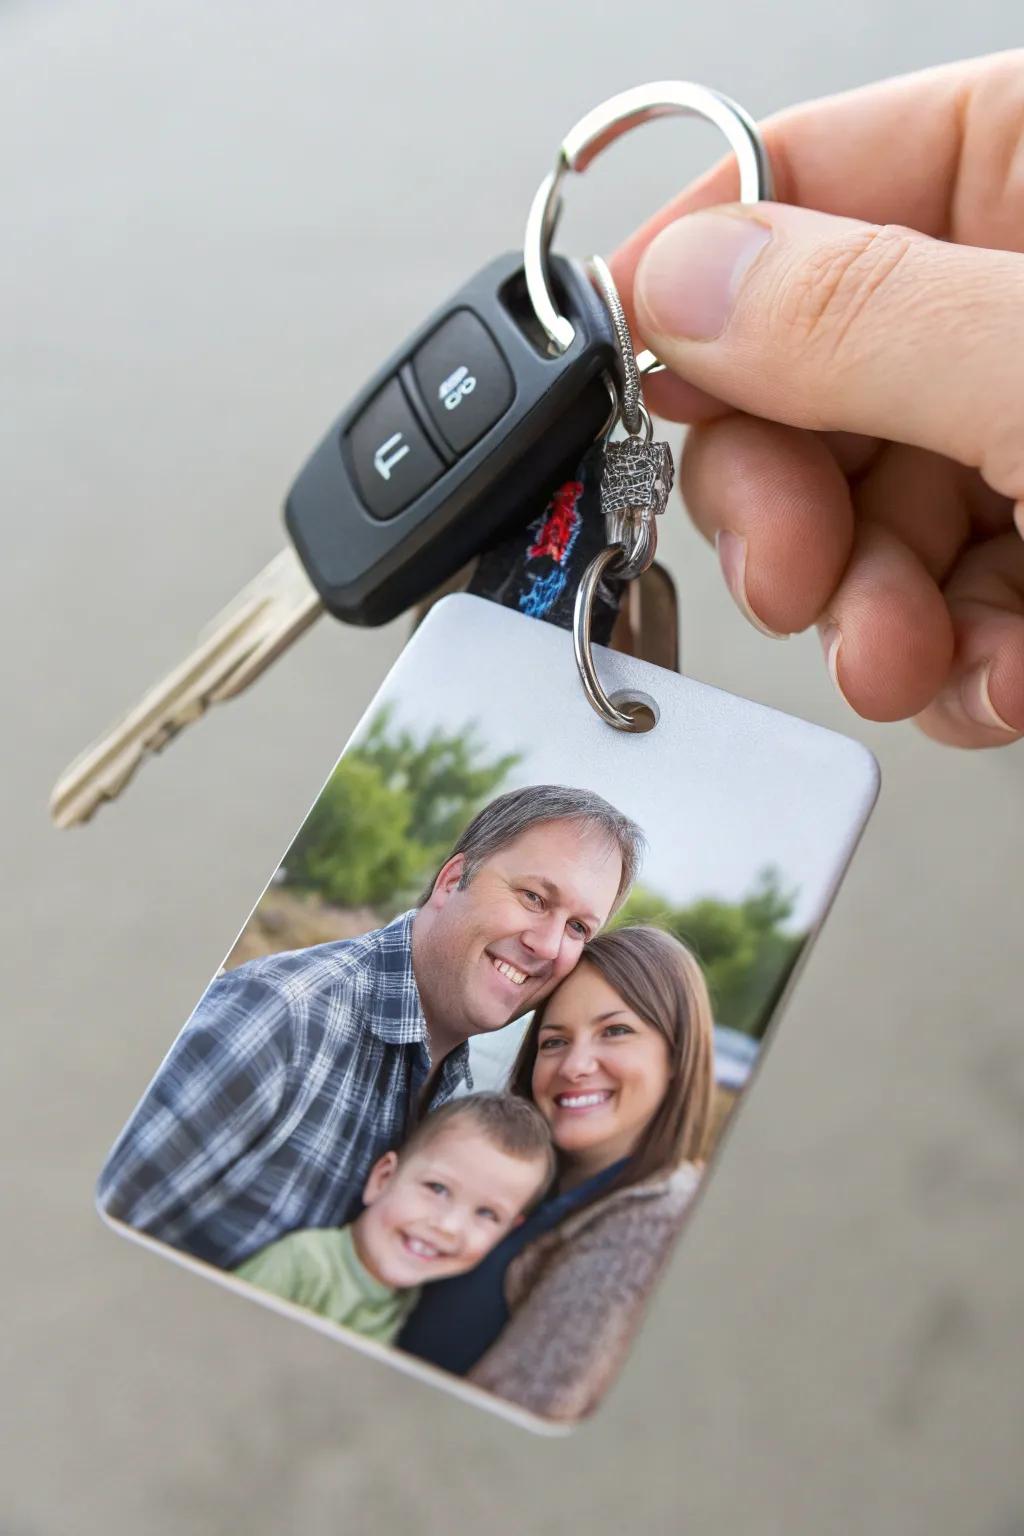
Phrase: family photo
(458, 1082)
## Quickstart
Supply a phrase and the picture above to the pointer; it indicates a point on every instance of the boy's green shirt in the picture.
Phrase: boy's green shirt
(321, 1270)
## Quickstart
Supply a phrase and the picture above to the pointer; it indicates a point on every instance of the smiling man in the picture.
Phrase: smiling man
(296, 1072)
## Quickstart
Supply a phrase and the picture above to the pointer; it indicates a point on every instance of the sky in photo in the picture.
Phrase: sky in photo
(722, 787)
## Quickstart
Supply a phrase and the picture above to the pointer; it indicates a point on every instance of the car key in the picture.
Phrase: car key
(448, 447)
(489, 406)
(475, 417)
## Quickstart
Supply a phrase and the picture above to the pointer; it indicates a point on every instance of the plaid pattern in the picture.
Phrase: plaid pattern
(292, 1076)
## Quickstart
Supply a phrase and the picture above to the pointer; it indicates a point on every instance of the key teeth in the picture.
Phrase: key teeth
(75, 800)
(250, 633)
(69, 810)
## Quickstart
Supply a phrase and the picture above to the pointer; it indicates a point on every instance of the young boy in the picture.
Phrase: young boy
(434, 1208)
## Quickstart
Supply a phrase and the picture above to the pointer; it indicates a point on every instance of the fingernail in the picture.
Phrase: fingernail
(1018, 517)
(691, 272)
(831, 641)
(972, 696)
(732, 557)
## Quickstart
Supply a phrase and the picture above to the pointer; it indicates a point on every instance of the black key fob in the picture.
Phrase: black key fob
(452, 443)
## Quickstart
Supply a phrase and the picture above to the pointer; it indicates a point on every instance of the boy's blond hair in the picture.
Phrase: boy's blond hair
(511, 1124)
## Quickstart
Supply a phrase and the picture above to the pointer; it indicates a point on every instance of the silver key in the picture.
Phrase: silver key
(232, 651)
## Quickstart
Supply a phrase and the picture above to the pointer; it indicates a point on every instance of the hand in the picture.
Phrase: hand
(857, 388)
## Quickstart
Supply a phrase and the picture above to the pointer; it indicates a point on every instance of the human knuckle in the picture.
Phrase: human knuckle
(1002, 454)
(829, 298)
(991, 157)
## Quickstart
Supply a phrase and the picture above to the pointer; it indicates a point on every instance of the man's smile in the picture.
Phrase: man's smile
(510, 971)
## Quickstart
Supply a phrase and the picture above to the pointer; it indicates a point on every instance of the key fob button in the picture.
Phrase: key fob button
(465, 382)
(405, 488)
(390, 455)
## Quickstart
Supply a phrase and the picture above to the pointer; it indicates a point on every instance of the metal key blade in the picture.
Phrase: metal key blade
(232, 651)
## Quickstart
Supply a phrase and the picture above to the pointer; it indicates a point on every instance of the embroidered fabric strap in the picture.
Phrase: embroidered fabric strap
(537, 569)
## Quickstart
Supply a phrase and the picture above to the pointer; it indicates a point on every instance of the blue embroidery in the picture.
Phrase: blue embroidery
(542, 594)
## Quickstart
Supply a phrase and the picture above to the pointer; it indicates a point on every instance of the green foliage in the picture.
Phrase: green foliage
(746, 955)
(444, 777)
(395, 805)
(354, 848)
(390, 813)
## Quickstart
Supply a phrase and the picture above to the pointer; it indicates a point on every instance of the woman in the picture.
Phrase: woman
(619, 1060)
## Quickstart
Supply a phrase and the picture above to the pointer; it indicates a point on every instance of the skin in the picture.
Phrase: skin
(531, 908)
(439, 1210)
(857, 416)
(591, 1045)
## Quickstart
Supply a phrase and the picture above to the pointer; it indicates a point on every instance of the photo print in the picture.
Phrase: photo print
(454, 1091)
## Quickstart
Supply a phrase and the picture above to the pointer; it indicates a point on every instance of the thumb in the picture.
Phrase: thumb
(833, 324)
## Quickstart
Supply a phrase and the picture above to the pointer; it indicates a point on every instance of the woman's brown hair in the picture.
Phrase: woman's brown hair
(660, 980)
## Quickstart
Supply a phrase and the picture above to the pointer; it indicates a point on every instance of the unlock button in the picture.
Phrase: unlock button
(464, 380)
(390, 455)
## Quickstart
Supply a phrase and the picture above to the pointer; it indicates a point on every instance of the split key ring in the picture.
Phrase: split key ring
(592, 134)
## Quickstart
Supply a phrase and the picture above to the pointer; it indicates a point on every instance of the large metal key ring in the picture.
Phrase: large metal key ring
(592, 134)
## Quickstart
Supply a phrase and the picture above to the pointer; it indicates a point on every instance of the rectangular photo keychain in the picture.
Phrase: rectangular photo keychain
(453, 1094)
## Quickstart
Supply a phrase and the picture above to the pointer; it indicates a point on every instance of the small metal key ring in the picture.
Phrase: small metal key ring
(592, 134)
(581, 622)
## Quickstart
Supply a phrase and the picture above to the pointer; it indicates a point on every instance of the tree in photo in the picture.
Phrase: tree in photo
(390, 813)
(744, 947)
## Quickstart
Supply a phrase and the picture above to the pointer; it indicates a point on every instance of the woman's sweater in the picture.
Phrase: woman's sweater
(577, 1296)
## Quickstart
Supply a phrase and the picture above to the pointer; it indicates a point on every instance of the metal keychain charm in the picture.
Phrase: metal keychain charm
(638, 472)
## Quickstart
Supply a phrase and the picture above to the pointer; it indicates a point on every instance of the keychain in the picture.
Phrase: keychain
(457, 1087)
(460, 439)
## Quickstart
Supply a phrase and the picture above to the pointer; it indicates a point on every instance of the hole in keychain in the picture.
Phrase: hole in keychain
(633, 533)
(642, 710)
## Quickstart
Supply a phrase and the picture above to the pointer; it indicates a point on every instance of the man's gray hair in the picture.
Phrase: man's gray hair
(509, 816)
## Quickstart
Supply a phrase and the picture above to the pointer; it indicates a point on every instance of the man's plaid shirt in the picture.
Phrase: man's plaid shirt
(293, 1075)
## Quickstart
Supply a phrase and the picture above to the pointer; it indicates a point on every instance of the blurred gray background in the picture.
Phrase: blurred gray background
(216, 219)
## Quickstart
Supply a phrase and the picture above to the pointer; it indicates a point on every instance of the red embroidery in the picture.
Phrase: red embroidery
(560, 526)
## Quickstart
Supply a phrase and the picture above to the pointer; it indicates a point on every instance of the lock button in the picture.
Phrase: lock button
(371, 542)
(392, 459)
(465, 382)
